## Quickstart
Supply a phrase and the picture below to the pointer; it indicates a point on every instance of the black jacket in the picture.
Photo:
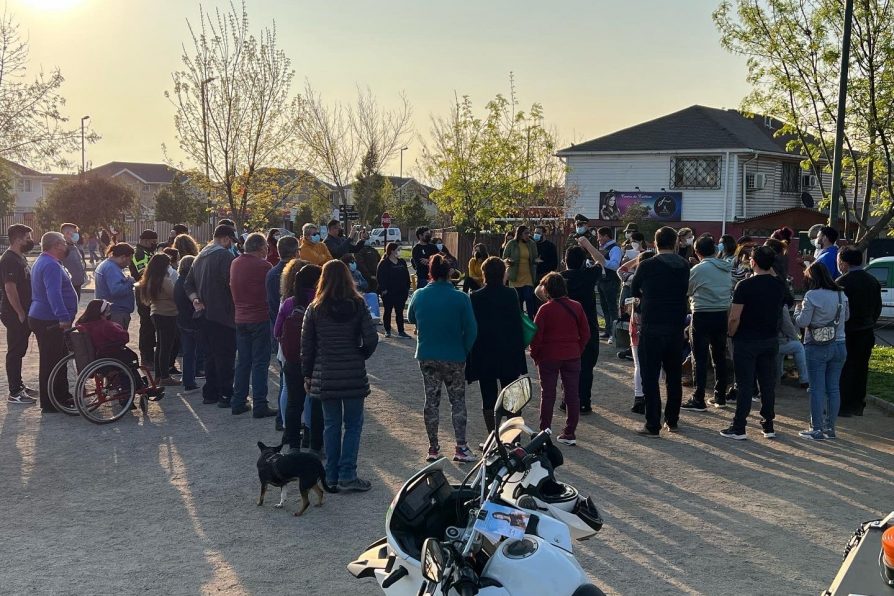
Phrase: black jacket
(393, 278)
(499, 351)
(209, 279)
(547, 252)
(185, 309)
(864, 294)
(339, 246)
(335, 344)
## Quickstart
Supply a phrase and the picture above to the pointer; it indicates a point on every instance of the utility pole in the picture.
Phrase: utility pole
(205, 141)
(83, 151)
(839, 124)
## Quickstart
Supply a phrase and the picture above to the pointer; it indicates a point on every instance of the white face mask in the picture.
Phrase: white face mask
(627, 235)
(817, 243)
(689, 241)
(635, 245)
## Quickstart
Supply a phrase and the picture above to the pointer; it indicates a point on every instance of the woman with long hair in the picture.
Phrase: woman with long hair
(498, 355)
(825, 306)
(445, 333)
(610, 211)
(186, 245)
(475, 277)
(726, 249)
(157, 292)
(393, 276)
(287, 331)
(521, 255)
(337, 337)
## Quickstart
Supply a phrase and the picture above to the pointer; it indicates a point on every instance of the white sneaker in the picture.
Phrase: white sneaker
(21, 397)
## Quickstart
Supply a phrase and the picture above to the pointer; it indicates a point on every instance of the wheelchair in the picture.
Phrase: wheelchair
(102, 390)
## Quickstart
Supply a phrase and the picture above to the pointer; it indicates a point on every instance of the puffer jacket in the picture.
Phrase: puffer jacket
(336, 341)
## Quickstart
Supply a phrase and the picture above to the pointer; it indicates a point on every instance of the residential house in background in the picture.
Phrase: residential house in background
(29, 186)
(404, 188)
(709, 169)
(146, 179)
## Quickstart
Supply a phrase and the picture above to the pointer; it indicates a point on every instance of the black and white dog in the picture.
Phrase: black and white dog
(279, 470)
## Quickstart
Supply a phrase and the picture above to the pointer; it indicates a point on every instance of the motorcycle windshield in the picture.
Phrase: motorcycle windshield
(401, 495)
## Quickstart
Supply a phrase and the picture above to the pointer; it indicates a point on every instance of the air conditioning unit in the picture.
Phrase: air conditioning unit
(755, 181)
(809, 181)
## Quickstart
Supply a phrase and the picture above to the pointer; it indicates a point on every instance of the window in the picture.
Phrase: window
(20, 185)
(791, 178)
(147, 188)
(27, 186)
(880, 273)
(695, 172)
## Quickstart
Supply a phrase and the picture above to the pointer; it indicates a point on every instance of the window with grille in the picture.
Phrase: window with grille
(695, 172)
(791, 177)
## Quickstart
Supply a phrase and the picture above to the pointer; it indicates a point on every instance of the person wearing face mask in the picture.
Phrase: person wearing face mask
(685, 245)
(423, 251)
(629, 230)
(144, 251)
(74, 260)
(313, 249)
(208, 287)
(53, 307)
(115, 287)
(608, 257)
(582, 229)
(828, 250)
(521, 257)
(726, 249)
(16, 275)
(548, 256)
(359, 281)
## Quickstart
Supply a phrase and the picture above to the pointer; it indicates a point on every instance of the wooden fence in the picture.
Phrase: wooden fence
(460, 245)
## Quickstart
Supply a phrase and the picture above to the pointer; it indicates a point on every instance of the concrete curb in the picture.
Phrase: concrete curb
(885, 406)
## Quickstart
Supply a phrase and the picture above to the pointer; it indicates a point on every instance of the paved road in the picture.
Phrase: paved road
(166, 504)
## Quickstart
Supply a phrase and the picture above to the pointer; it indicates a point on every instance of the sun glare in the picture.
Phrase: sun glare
(51, 5)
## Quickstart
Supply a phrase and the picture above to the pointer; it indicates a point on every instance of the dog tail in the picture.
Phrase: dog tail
(326, 487)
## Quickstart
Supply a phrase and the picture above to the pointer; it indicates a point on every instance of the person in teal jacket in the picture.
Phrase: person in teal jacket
(446, 331)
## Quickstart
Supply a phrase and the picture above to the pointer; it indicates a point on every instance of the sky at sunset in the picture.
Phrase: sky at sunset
(595, 65)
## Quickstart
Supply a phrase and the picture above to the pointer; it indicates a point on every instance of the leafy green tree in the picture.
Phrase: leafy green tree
(91, 203)
(7, 196)
(180, 204)
(410, 213)
(793, 49)
(492, 166)
(369, 200)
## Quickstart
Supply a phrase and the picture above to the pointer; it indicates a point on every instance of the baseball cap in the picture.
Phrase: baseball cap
(148, 235)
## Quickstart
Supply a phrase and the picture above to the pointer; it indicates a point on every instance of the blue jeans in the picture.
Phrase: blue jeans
(825, 364)
(342, 449)
(527, 299)
(188, 344)
(795, 349)
(252, 361)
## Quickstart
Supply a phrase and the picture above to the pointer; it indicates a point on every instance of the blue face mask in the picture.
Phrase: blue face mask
(581, 229)
(353, 266)
(75, 237)
(315, 238)
(440, 247)
(720, 248)
(538, 237)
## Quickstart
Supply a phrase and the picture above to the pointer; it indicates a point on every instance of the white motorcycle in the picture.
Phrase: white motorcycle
(468, 539)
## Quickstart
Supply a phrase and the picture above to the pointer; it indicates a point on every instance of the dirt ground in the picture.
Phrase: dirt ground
(166, 504)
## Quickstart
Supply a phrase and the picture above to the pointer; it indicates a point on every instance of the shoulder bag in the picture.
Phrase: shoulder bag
(825, 334)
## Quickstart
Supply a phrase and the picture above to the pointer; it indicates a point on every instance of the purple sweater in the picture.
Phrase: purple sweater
(286, 309)
(53, 297)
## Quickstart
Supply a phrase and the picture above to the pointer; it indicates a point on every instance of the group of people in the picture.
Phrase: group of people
(311, 304)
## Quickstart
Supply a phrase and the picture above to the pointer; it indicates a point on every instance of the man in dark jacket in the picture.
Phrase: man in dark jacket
(208, 286)
(142, 253)
(661, 284)
(548, 256)
(864, 293)
(423, 250)
(338, 244)
(581, 281)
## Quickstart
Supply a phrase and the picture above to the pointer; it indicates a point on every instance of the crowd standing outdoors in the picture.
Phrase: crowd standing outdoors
(311, 303)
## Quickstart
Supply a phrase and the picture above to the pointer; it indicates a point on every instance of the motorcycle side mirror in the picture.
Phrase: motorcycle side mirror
(433, 560)
(515, 396)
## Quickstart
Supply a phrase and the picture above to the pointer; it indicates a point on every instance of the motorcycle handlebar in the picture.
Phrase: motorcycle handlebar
(538, 442)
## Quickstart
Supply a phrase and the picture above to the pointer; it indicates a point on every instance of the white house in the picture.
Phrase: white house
(29, 186)
(717, 168)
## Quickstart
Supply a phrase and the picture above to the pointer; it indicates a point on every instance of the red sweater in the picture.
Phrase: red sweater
(562, 331)
(107, 337)
(248, 275)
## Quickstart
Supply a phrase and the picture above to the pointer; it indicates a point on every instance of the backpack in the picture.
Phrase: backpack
(291, 334)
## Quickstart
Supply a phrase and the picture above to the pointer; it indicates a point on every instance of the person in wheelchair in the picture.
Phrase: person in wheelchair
(109, 339)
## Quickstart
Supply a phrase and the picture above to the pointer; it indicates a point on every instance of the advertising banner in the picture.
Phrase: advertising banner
(661, 205)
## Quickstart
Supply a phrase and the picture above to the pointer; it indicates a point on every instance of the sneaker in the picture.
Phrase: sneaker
(223, 402)
(756, 398)
(387, 334)
(812, 435)
(586, 410)
(190, 388)
(173, 371)
(605, 335)
(403, 335)
(639, 405)
(237, 410)
(209, 400)
(732, 433)
(694, 406)
(562, 406)
(31, 392)
(830, 433)
(357, 485)
(674, 428)
(463, 454)
(567, 439)
(625, 355)
(717, 403)
(767, 429)
(732, 395)
(265, 412)
(644, 431)
(21, 397)
(434, 454)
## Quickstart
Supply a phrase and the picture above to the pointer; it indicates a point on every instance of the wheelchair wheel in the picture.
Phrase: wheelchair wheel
(64, 403)
(105, 391)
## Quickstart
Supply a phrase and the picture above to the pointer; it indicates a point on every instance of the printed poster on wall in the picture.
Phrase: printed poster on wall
(662, 205)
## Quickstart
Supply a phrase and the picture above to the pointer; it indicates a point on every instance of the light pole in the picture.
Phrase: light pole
(83, 153)
(839, 123)
(205, 140)
(402, 149)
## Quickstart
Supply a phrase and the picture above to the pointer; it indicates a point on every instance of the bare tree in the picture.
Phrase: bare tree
(248, 114)
(32, 126)
(381, 131)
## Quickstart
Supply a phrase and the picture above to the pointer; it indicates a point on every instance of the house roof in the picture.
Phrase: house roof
(148, 173)
(19, 169)
(696, 128)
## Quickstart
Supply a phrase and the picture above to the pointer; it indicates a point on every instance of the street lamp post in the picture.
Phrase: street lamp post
(402, 149)
(83, 152)
(839, 123)
(205, 140)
